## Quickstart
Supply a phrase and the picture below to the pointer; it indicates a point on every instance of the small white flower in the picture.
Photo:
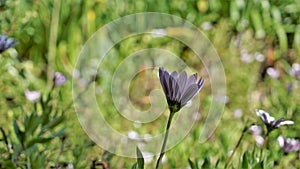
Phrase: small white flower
(133, 135)
(206, 25)
(32, 96)
(70, 166)
(148, 156)
(238, 113)
(259, 57)
(270, 121)
(157, 33)
(164, 159)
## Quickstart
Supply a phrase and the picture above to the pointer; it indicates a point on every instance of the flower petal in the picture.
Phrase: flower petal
(163, 80)
(174, 74)
(280, 141)
(192, 78)
(174, 87)
(266, 118)
(200, 83)
(287, 122)
(181, 81)
(189, 94)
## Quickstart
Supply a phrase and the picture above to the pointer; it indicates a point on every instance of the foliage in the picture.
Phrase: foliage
(253, 38)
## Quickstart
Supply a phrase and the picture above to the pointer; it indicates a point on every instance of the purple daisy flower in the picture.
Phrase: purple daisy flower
(288, 145)
(270, 121)
(6, 43)
(178, 88)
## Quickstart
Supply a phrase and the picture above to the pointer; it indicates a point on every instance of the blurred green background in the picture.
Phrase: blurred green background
(258, 42)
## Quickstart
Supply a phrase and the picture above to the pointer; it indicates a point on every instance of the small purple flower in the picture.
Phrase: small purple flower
(273, 72)
(179, 88)
(6, 43)
(255, 130)
(295, 70)
(288, 145)
(259, 140)
(270, 121)
(59, 79)
(32, 96)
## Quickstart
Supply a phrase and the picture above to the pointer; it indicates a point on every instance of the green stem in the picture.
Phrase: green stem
(265, 145)
(162, 152)
(53, 36)
(236, 146)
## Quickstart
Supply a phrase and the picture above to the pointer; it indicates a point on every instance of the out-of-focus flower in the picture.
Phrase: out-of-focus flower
(288, 145)
(273, 72)
(59, 79)
(32, 96)
(245, 56)
(295, 70)
(206, 25)
(255, 130)
(159, 33)
(133, 135)
(289, 87)
(259, 140)
(178, 88)
(270, 121)
(238, 113)
(70, 166)
(164, 159)
(148, 156)
(259, 57)
(222, 99)
(6, 43)
(230, 153)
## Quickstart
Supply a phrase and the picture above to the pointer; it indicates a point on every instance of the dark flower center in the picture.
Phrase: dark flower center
(174, 106)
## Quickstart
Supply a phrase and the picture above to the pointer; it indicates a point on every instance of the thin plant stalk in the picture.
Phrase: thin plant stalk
(236, 146)
(53, 36)
(162, 151)
(265, 145)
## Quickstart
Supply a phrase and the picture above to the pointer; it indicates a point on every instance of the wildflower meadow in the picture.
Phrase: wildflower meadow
(111, 84)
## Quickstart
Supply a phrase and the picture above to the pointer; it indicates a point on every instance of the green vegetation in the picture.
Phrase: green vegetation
(258, 43)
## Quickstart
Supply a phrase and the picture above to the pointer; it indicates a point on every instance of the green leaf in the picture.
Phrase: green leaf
(140, 158)
(297, 37)
(258, 165)
(107, 156)
(32, 124)
(206, 163)
(20, 135)
(38, 140)
(4, 137)
(283, 39)
(192, 164)
(8, 164)
(135, 166)
(52, 124)
(59, 133)
(245, 161)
